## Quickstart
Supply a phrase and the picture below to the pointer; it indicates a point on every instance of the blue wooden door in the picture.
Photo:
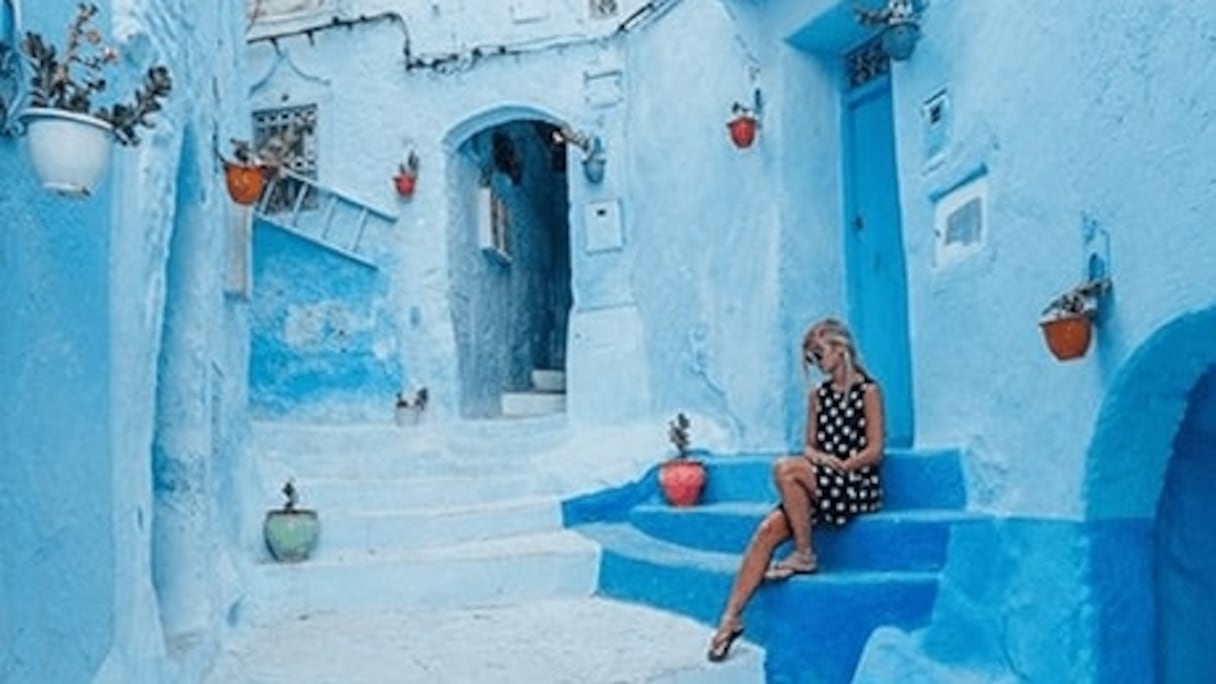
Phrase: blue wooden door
(874, 250)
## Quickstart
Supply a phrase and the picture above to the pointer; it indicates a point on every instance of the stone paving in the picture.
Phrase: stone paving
(558, 641)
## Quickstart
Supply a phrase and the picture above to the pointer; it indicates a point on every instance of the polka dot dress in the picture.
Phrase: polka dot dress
(840, 430)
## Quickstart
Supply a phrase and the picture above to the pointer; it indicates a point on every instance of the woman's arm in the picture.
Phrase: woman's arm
(875, 430)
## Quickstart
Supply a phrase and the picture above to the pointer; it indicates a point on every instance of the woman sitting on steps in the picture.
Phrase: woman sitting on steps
(834, 479)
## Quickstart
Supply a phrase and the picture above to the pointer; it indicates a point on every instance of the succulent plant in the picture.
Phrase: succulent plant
(70, 80)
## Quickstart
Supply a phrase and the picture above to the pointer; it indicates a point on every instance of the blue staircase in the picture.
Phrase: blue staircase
(882, 569)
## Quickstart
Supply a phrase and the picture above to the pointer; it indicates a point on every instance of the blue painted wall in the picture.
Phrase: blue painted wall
(725, 256)
(323, 342)
(84, 288)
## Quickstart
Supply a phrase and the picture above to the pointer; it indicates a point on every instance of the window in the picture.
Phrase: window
(289, 135)
(493, 224)
(960, 221)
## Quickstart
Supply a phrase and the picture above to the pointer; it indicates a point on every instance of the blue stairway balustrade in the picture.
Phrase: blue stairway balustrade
(322, 215)
(882, 569)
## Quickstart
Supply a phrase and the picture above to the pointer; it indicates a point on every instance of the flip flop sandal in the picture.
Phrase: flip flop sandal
(783, 571)
(720, 645)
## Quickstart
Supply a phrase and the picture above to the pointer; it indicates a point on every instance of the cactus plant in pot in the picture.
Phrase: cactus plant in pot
(291, 533)
(681, 477)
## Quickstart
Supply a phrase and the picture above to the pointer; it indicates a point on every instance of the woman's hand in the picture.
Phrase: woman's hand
(819, 458)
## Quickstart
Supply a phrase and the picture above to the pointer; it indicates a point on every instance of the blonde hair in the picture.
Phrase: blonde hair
(835, 332)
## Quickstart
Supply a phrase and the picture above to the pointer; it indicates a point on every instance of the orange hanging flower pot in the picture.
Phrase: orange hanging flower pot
(245, 181)
(1068, 337)
(1068, 321)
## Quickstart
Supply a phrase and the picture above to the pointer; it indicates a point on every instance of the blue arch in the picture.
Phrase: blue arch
(493, 116)
(1143, 409)
(1125, 474)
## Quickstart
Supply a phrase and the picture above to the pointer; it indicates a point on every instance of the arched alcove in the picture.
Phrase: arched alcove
(509, 263)
(1152, 562)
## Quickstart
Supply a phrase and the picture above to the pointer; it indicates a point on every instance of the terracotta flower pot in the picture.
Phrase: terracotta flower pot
(245, 181)
(1068, 337)
(742, 130)
(682, 481)
(405, 184)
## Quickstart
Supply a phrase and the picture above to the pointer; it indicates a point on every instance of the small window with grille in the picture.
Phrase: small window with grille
(866, 63)
(604, 9)
(287, 137)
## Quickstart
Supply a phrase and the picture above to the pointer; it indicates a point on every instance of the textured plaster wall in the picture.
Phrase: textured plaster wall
(688, 312)
(89, 591)
(1079, 122)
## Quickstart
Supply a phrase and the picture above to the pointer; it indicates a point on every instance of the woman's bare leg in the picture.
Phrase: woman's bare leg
(771, 531)
(794, 478)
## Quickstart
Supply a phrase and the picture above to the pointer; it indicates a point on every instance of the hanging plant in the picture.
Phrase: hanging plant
(67, 133)
(406, 180)
(1067, 322)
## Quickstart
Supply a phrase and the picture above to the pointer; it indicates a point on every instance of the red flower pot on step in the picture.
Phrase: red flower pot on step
(682, 481)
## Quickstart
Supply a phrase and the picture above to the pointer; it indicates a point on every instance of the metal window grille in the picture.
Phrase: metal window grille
(866, 63)
(291, 134)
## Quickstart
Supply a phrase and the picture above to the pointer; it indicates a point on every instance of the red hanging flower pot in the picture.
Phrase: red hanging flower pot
(743, 130)
(405, 183)
(406, 180)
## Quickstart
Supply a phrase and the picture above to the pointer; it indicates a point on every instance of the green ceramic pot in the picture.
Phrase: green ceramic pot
(291, 535)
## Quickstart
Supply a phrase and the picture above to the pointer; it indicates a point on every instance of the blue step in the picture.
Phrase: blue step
(885, 540)
(813, 627)
(912, 479)
(917, 478)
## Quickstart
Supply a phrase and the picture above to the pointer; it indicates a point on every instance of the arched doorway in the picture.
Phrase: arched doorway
(1149, 473)
(1186, 545)
(509, 265)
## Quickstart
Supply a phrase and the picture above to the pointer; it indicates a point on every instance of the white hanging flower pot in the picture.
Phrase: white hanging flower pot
(70, 151)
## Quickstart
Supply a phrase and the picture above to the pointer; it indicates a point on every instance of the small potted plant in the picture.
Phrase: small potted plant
(406, 179)
(291, 533)
(248, 171)
(900, 23)
(1067, 322)
(245, 173)
(681, 477)
(409, 409)
(68, 138)
(743, 124)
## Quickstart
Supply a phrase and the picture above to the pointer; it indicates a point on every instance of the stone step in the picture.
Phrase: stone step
(498, 572)
(885, 540)
(532, 403)
(353, 535)
(592, 640)
(834, 611)
(545, 380)
(350, 494)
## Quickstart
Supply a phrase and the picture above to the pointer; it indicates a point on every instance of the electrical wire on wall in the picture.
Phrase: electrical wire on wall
(468, 58)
